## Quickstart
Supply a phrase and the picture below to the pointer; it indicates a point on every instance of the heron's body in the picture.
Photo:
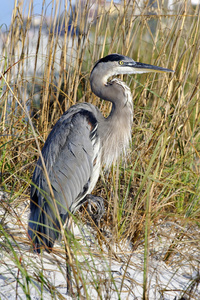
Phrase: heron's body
(81, 142)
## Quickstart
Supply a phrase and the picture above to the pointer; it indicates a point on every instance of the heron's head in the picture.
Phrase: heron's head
(115, 64)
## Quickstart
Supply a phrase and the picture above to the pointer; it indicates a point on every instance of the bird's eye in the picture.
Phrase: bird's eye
(121, 62)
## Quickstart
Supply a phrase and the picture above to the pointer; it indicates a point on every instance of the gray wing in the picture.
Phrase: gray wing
(69, 156)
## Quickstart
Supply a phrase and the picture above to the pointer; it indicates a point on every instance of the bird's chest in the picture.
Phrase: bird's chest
(96, 165)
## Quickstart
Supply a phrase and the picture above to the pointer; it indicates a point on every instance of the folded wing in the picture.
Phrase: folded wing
(69, 154)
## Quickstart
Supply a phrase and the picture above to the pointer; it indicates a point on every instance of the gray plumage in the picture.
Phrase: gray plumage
(80, 143)
(70, 168)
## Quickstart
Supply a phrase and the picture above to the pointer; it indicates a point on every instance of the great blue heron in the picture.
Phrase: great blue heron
(80, 143)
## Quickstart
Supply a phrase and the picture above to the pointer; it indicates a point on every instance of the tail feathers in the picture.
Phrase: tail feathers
(43, 228)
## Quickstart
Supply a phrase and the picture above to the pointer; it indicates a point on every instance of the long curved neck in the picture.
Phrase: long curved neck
(104, 89)
(115, 131)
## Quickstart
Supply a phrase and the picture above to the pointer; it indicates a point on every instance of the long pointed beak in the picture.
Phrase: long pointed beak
(143, 68)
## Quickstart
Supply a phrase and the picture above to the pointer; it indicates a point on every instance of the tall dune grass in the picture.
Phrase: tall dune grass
(45, 70)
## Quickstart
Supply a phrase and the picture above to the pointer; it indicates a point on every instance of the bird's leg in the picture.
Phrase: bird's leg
(95, 207)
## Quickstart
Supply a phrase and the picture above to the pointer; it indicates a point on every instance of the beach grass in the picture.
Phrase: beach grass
(45, 70)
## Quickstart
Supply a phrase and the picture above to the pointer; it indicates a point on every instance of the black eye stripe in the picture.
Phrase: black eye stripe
(112, 57)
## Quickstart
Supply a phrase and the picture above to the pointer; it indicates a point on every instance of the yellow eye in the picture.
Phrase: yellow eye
(121, 62)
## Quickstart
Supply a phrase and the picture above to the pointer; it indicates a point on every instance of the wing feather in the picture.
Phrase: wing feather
(68, 155)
